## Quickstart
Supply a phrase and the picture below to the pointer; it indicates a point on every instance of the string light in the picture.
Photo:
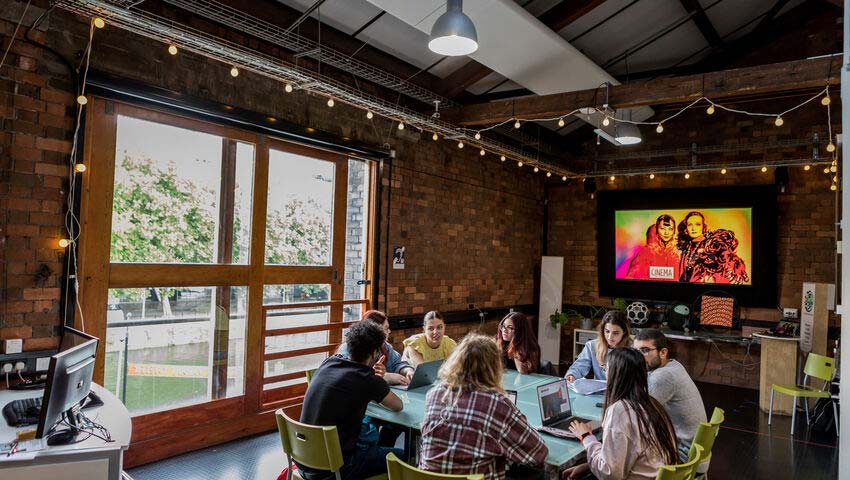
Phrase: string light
(288, 88)
(825, 169)
(482, 152)
(369, 114)
(64, 242)
(723, 171)
(478, 135)
(830, 148)
(835, 178)
(651, 176)
(82, 100)
(564, 178)
(807, 168)
(401, 125)
(606, 121)
(459, 144)
(99, 22)
(687, 176)
(234, 72)
(519, 164)
(778, 122)
(172, 49)
(517, 124)
(825, 101)
(79, 168)
(763, 169)
(833, 187)
(561, 122)
(502, 158)
(435, 137)
(659, 128)
(710, 110)
(612, 178)
(833, 168)
(536, 169)
(548, 174)
(331, 102)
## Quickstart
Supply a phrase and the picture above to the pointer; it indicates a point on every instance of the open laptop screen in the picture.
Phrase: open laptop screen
(511, 395)
(554, 400)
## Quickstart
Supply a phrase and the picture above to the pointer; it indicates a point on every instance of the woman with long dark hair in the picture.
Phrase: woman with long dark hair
(518, 344)
(613, 332)
(637, 434)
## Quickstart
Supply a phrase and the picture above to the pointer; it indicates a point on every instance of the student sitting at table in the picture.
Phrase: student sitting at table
(517, 344)
(394, 370)
(671, 385)
(432, 344)
(637, 434)
(470, 426)
(613, 332)
(350, 378)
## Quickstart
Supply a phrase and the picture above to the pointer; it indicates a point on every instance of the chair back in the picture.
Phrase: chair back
(819, 366)
(309, 445)
(546, 368)
(685, 471)
(309, 374)
(704, 437)
(398, 470)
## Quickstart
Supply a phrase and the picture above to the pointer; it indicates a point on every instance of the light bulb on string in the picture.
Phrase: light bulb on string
(517, 124)
(99, 22)
(82, 100)
(825, 100)
(651, 176)
(564, 178)
(833, 187)
(459, 144)
(561, 122)
(825, 169)
(482, 152)
(606, 121)
(234, 72)
(612, 178)
(833, 168)
(659, 128)
(723, 171)
(478, 135)
(536, 169)
(763, 169)
(172, 49)
(331, 102)
(80, 168)
(64, 242)
(288, 88)
(502, 158)
(835, 179)
(778, 122)
(830, 148)
(548, 174)
(519, 164)
(435, 137)
(401, 125)
(807, 168)
(687, 176)
(369, 114)
(710, 110)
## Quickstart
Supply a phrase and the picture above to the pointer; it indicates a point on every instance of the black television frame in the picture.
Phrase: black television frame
(761, 199)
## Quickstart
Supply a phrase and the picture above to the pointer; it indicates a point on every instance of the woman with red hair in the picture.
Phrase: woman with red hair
(517, 344)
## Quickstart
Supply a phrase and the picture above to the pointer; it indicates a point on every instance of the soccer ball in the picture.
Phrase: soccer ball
(637, 313)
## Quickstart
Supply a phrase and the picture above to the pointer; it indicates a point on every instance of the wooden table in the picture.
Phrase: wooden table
(778, 366)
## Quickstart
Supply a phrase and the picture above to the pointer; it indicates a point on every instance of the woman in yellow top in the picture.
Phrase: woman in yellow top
(432, 344)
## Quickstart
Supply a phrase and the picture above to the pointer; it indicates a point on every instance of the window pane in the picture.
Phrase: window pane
(299, 223)
(162, 345)
(167, 191)
(243, 202)
(356, 224)
(289, 365)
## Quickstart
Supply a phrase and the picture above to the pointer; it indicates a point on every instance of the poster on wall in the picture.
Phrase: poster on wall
(398, 258)
(709, 245)
(807, 317)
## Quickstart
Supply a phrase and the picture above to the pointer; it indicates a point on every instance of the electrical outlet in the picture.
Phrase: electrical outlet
(42, 364)
(789, 313)
(7, 367)
(20, 366)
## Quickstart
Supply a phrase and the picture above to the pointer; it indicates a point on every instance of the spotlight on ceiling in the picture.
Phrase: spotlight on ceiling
(453, 34)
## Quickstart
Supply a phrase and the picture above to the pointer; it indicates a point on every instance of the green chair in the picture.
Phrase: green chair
(685, 471)
(312, 446)
(399, 470)
(704, 438)
(309, 374)
(817, 366)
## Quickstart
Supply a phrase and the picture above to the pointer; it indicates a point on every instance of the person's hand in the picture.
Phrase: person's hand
(580, 428)
(379, 367)
(575, 472)
(408, 372)
(570, 378)
(396, 379)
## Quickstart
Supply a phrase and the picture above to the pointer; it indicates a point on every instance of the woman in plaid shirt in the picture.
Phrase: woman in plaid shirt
(470, 425)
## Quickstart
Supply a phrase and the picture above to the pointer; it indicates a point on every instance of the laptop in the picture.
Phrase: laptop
(511, 394)
(556, 411)
(424, 374)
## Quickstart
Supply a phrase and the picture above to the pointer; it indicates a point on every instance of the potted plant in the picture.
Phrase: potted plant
(562, 318)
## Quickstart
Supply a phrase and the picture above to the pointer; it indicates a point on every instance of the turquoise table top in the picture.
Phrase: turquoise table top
(562, 451)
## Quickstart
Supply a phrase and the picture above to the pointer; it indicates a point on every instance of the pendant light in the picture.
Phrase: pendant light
(453, 34)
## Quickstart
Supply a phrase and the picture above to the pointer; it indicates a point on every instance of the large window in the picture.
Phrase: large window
(219, 265)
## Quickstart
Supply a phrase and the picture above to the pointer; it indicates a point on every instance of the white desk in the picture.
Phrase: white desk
(90, 459)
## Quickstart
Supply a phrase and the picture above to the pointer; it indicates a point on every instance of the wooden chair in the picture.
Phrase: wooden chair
(311, 446)
(399, 470)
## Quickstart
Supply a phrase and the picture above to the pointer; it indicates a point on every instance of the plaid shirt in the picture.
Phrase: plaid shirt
(477, 435)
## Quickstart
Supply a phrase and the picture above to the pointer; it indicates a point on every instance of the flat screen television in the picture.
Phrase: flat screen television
(675, 244)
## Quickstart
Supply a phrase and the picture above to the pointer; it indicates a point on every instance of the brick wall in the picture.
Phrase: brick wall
(472, 227)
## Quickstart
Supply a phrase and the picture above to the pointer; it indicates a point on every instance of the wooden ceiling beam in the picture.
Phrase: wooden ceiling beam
(720, 85)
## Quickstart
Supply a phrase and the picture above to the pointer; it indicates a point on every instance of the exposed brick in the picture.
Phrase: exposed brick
(41, 293)
(45, 343)
(53, 144)
(15, 332)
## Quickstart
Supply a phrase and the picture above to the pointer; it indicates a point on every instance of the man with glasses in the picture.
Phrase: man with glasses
(670, 384)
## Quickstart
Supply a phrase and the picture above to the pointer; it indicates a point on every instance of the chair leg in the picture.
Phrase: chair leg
(806, 404)
(793, 415)
(770, 412)
(835, 416)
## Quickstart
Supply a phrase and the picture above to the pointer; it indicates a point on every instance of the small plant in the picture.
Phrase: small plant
(561, 318)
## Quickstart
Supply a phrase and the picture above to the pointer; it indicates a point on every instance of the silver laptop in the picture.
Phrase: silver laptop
(424, 374)
(556, 411)
(511, 394)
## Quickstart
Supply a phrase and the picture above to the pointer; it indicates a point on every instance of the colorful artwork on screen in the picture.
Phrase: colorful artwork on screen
(709, 245)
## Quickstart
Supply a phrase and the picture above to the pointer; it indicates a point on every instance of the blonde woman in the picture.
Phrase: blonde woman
(432, 344)
(613, 332)
(470, 425)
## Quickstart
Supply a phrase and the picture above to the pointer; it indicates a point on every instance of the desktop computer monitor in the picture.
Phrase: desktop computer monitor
(68, 383)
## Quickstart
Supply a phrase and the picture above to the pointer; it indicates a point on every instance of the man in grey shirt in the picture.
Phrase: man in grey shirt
(671, 385)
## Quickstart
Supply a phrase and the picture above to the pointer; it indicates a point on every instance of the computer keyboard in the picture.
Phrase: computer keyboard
(23, 412)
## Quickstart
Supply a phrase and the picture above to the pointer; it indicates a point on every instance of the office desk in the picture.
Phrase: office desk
(88, 460)
(562, 452)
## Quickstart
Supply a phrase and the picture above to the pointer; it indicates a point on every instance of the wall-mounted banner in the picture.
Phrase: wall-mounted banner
(398, 258)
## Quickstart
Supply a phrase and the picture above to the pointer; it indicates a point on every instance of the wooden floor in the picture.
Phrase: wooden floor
(746, 447)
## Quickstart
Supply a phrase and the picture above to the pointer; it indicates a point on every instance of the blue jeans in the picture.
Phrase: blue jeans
(362, 464)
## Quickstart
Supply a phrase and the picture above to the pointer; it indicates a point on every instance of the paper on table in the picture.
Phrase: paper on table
(587, 386)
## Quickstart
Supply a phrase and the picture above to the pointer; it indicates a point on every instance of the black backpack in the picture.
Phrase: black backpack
(822, 417)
